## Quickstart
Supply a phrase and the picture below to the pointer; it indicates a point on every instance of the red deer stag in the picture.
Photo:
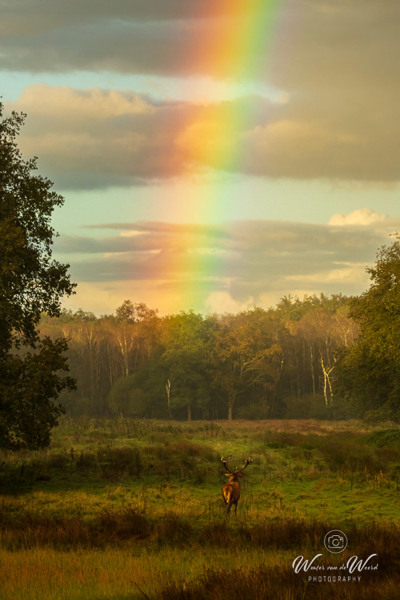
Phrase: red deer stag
(231, 490)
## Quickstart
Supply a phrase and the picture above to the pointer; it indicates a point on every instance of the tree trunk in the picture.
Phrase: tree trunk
(231, 401)
(312, 370)
(168, 390)
(327, 382)
(325, 394)
(189, 412)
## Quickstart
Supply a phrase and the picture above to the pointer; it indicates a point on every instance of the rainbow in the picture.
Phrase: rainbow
(236, 48)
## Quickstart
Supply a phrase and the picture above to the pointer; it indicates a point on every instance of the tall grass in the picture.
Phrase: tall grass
(279, 583)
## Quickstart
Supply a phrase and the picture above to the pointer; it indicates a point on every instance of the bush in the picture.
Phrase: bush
(86, 462)
(389, 437)
(173, 529)
(116, 463)
(342, 455)
(125, 524)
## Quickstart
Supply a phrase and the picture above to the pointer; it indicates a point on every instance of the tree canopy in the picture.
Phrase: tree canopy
(370, 369)
(31, 283)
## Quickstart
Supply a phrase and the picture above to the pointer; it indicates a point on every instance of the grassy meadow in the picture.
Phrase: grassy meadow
(131, 509)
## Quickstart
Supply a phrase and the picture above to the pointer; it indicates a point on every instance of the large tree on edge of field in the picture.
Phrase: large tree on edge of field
(31, 283)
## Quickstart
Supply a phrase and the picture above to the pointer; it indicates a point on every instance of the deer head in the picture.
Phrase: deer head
(233, 475)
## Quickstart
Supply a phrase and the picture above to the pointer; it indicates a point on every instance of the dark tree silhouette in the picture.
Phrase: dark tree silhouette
(31, 283)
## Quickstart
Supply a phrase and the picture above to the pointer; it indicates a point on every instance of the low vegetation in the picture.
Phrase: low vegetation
(129, 509)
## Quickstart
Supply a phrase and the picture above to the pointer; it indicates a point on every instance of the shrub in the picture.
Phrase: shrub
(116, 463)
(125, 523)
(388, 437)
(172, 529)
(86, 461)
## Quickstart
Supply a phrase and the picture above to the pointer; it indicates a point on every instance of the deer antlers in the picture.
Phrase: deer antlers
(225, 460)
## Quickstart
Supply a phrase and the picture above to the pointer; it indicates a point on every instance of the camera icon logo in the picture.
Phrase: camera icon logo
(335, 541)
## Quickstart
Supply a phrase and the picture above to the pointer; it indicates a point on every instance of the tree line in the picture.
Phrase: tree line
(259, 363)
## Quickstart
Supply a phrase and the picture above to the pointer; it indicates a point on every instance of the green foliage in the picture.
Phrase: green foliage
(388, 437)
(29, 390)
(30, 283)
(187, 342)
(257, 364)
(370, 370)
(134, 312)
(126, 398)
(141, 394)
(306, 407)
(247, 359)
(294, 309)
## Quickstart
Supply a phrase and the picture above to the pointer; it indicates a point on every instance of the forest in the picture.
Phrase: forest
(258, 364)
(327, 357)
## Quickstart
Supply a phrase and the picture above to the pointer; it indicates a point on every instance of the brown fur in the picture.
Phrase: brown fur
(231, 490)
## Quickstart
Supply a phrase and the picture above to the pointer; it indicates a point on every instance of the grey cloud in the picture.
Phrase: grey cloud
(338, 44)
(336, 62)
(87, 245)
(251, 259)
(112, 269)
(120, 47)
(101, 138)
(313, 44)
(160, 227)
(149, 237)
(96, 138)
(24, 16)
(156, 37)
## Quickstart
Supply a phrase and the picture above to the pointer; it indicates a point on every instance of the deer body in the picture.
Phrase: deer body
(231, 490)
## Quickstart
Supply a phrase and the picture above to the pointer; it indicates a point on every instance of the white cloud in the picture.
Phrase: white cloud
(363, 216)
(222, 302)
(65, 103)
(350, 275)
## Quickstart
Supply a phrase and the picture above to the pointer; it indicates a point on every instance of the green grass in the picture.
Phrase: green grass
(116, 504)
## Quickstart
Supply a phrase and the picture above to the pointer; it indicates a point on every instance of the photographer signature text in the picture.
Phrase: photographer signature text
(353, 564)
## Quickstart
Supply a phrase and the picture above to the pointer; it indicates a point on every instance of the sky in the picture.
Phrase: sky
(213, 155)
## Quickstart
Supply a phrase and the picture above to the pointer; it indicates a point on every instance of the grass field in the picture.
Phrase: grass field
(127, 509)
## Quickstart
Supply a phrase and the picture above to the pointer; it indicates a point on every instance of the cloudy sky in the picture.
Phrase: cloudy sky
(212, 155)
